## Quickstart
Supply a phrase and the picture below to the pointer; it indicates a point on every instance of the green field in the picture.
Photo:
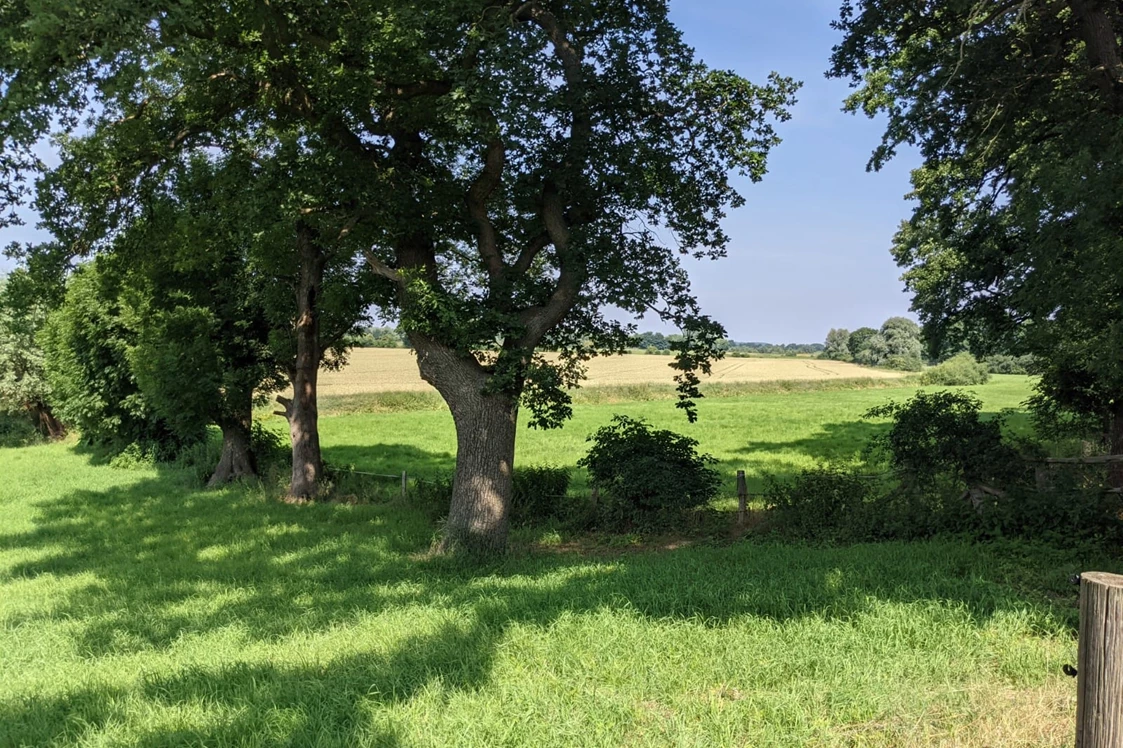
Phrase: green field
(765, 432)
(136, 610)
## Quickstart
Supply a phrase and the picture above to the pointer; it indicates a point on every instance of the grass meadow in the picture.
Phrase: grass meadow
(139, 610)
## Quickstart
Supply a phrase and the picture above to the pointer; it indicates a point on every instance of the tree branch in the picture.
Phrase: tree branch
(482, 188)
(381, 268)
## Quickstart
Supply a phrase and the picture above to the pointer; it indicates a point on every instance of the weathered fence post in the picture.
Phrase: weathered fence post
(1099, 684)
(405, 484)
(742, 498)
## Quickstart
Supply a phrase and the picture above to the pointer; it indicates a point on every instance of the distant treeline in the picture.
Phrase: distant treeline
(378, 337)
(658, 343)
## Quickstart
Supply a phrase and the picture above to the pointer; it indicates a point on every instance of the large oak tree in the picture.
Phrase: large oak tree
(514, 167)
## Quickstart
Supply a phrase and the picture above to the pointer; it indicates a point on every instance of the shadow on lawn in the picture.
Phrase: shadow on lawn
(390, 459)
(172, 563)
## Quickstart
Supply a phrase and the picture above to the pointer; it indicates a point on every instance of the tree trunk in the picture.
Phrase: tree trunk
(478, 517)
(237, 459)
(46, 423)
(302, 411)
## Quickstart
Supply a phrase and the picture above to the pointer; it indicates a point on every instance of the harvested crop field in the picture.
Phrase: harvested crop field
(395, 370)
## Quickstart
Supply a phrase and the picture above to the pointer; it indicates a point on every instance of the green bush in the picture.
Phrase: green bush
(648, 477)
(958, 371)
(822, 503)
(1003, 364)
(17, 431)
(904, 363)
(941, 434)
(539, 493)
(955, 473)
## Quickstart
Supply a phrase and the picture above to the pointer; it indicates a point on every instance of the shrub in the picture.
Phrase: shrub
(648, 477)
(904, 363)
(17, 431)
(959, 370)
(822, 503)
(1003, 364)
(538, 494)
(941, 434)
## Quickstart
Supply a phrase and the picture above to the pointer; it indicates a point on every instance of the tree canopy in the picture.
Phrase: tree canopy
(1015, 243)
(511, 168)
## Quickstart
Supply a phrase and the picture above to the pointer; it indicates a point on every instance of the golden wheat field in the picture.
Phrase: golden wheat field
(395, 370)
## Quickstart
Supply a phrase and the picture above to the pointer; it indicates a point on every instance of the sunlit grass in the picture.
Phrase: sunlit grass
(138, 610)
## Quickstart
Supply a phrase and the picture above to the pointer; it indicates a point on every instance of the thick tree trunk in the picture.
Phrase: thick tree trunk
(237, 461)
(478, 517)
(302, 411)
(46, 423)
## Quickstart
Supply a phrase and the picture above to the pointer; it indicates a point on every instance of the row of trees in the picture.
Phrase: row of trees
(896, 345)
(497, 172)
(657, 341)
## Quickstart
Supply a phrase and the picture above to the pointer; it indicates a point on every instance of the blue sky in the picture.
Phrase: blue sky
(810, 251)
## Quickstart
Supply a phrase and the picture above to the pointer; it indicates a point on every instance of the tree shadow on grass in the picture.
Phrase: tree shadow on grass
(842, 443)
(174, 565)
(390, 459)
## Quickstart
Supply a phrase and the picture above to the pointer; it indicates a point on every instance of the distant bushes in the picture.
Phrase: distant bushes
(958, 371)
(1003, 364)
(648, 477)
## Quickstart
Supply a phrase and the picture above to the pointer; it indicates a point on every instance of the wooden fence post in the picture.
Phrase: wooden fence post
(742, 498)
(405, 484)
(1099, 685)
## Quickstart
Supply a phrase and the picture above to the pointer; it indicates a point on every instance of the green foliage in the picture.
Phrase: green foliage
(838, 345)
(648, 477)
(823, 504)
(86, 344)
(960, 370)
(896, 345)
(17, 431)
(23, 382)
(376, 337)
(1007, 364)
(903, 363)
(859, 341)
(940, 435)
(1015, 242)
(539, 493)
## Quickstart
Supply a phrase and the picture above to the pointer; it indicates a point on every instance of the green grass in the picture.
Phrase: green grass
(137, 610)
(765, 431)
